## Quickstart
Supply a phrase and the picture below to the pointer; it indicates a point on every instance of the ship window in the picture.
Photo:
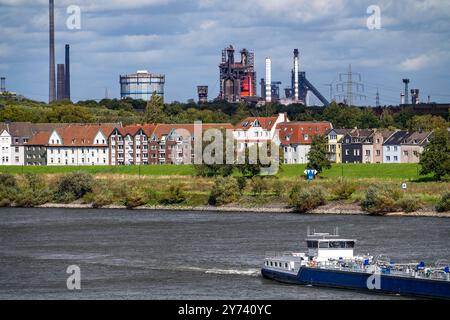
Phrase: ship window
(350, 244)
(286, 265)
(271, 264)
(323, 244)
(337, 244)
(312, 244)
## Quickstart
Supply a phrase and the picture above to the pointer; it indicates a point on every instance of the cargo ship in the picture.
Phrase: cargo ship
(330, 262)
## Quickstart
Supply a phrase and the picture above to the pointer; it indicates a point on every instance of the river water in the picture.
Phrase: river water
(186, 255)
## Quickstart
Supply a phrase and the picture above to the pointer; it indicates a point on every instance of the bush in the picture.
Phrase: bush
(410, 204)
(102, 199)
(259, 185)
(7, 180)
(304, 200)
(242, 183)
(29, 198)
(74, 186)
(7, 195)
(343, 191)
(5, 203)
(278, 188)
(224, 191)
(135, 198)
(381, 199)
(444, 203)
(175, 195)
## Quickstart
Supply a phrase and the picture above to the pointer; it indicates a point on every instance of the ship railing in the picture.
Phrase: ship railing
(274, 254)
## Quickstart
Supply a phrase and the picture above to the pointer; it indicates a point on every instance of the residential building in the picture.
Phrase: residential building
(334, 138)
(392, 147)
(36, 149)
(413, 146)
(79, 145)
(296, 139)
(5, 146)
(352, 146)
(257, 130)
(378, 139)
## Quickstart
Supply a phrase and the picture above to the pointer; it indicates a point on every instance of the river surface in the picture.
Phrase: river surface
(186, 255)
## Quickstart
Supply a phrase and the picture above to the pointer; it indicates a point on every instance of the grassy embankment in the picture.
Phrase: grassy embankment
(151, 184)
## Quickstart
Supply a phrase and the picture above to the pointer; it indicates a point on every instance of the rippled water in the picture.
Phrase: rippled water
(185, 255)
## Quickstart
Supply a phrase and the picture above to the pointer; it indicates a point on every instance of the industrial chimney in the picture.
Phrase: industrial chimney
(406, 82)
(67, 74)
(296, 70)
(52, 84)
(61, 88)
(2, 84)
(268, 80)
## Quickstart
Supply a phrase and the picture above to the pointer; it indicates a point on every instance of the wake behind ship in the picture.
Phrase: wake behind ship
(330, 262)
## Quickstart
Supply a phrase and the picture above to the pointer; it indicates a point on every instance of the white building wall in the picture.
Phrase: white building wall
(5, 148)
(392, 154)
(296, 154)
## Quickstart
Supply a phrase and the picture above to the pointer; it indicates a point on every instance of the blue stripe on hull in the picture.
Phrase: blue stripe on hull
(358, 281)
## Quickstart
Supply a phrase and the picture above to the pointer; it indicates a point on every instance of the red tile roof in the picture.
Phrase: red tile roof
(82, 135)
(266, 123)
(295, 132)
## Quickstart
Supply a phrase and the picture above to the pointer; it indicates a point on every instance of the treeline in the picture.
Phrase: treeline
(130, 111)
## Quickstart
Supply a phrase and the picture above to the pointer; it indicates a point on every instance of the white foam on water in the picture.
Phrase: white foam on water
(244, 272)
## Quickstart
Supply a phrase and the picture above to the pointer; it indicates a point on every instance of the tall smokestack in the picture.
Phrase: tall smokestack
(52, 84)
(268, 80)
(61, 88)
(406, 82)
(2, 84)
(67, 74)
(296, 70)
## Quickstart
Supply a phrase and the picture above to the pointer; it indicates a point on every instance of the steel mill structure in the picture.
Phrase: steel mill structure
(142, 85)
(237, 79)
(202, 94)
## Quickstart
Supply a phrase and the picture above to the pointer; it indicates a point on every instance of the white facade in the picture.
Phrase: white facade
(296, 154)
(255, 134)
(5, 149)
(62, 154)
(392, 154)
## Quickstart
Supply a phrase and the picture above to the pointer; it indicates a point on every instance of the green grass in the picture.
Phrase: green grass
(379, 171)
(151, 170)
(404, 171)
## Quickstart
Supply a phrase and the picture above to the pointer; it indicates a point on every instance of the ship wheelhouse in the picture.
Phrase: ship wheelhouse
(324, 247)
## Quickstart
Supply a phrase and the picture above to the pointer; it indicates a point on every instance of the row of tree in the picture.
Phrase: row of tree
(138, 111)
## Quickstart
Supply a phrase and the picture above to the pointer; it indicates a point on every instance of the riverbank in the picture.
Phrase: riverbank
(329, 209)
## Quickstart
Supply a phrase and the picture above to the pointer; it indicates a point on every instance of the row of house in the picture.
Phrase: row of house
(114, 144)
(375, 146)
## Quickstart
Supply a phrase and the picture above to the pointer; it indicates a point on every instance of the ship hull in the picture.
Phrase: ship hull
(359, 281)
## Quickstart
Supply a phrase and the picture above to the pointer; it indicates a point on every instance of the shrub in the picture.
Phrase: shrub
(259, 185)
(74, 186)
(175, 195)
(304, 200)
(381, 199)
(34, 181)
(224, 191)
(343, 191)
(7, 195)
(410, 204)
(278, 188)
(242, 183)
(7, 180)
(30, 198)
(5, 203)
(135, 198)
(102, 199)
(444, 203)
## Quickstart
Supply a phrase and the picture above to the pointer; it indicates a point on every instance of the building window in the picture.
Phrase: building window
(378, 152)
(395, 158)
(388, 158)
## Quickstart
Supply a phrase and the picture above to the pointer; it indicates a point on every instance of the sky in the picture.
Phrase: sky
(183, 39)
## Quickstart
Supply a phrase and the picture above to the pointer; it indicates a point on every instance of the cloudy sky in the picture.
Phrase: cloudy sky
(183, 39)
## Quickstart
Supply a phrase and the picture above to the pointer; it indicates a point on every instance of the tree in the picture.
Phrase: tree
(427, 123)
(154, 112)
(318, 155)
(435, 158)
